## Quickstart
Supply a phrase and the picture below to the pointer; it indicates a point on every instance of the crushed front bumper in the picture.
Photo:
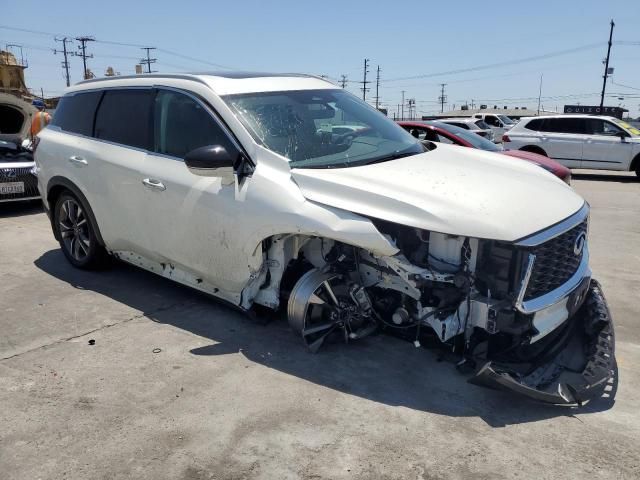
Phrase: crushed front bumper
(578, 372)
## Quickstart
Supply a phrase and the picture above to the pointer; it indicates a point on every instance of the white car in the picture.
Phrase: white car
(579, 141)
(476, 126)
(227, 183)
(498, 123)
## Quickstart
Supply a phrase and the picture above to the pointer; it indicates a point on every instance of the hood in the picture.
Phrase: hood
(16, 115)
(459, 191)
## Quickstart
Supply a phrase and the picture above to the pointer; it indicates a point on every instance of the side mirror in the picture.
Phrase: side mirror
(211, 161)
(622, 135)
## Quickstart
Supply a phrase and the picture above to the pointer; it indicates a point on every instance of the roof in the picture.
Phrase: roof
(222, 83)
(509, 112)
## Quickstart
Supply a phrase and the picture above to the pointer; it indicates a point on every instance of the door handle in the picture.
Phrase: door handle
(81, 162)
(153, 183)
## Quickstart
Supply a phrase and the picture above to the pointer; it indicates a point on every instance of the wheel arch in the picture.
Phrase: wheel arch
(635, 164)
(534, 149)
(56, 187)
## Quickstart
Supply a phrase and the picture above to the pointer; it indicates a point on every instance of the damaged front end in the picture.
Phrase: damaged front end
(523, 316)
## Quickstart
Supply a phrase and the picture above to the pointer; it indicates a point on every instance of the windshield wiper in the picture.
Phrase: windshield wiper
(393, 156)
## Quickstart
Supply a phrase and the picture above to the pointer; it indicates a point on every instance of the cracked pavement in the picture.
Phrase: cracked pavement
(179, 386)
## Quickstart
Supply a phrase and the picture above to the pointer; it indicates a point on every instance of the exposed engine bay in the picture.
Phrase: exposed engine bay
(462, 291)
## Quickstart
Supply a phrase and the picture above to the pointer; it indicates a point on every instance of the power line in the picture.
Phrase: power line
(501, 64)
(148, 61)
(65, 62)
(364, 81)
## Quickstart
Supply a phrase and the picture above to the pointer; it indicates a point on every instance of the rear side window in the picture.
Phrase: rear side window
(124, 117)
(75, 113)
(566, 125)
(483, 125)
(181, 124)
(536, 124)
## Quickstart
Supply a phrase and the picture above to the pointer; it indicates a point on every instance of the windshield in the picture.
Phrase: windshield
(321, 128)
(628, 127)
(506, 120)
(473, 138)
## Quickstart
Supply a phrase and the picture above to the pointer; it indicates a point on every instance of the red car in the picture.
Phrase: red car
(444, 133)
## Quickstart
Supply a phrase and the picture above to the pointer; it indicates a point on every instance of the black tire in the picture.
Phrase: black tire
(76, 233)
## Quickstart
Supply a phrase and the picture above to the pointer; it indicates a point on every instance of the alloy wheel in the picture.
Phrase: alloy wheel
(74, 230)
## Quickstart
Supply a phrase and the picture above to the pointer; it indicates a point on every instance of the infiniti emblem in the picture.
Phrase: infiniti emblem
(578, 245)
(8, 173)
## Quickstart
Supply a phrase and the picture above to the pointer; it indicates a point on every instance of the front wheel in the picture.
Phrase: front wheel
(76, 234)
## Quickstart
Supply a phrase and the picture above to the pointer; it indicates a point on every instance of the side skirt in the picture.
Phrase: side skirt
(183, 277)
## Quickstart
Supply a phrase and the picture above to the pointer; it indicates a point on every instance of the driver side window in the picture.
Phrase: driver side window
(181, 125)
(602, 127)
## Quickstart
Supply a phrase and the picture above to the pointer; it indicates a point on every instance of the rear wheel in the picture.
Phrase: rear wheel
(76, 233)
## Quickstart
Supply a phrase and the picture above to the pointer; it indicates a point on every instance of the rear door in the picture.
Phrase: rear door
(563, 138)
(68, 149)
(122, 137)
(604, 148)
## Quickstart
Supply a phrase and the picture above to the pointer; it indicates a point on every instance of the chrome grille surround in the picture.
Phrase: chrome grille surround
(551, 273)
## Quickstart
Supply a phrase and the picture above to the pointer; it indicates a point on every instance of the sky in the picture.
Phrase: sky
(491, 52)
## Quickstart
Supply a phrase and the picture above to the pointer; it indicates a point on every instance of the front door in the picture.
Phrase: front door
(604, 148)
(191, 219)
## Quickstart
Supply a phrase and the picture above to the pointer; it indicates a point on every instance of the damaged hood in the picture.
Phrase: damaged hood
(453, 190)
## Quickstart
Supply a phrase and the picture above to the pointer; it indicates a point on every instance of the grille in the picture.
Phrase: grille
(555, 262)
(23, 174)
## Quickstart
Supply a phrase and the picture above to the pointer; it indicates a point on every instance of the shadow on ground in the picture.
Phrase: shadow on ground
(19, 209)
(605, 177)
(380, 368)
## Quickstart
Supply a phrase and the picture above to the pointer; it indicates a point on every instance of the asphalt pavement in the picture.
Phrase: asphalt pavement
(121, 374)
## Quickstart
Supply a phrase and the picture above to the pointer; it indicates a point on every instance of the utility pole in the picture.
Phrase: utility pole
(83, 53)
(606, 66)
(442, 98)
(343, 81)
(364, 82)
(378, 87)
(402, 111)
(148, 61)
(65, 63)
(540, 94)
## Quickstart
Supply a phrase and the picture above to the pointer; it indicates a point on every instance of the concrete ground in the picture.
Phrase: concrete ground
(179, 386)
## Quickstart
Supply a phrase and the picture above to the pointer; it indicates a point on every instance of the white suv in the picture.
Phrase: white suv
(579, 141)
(499, 124)
(237, 185)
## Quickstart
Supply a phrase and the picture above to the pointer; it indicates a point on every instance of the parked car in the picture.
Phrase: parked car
(434, 131)
(17, 178)
(476, 126)
(579, 141)
(498, 123)
(17, 175)
(222, 182)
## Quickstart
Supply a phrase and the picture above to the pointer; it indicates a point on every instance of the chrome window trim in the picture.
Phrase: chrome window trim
(212, 113)
(555, 230)
(548, 299)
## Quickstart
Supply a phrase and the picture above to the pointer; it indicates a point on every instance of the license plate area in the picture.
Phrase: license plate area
(10, 188)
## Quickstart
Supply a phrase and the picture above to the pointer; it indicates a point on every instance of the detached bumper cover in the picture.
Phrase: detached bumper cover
(579, 372)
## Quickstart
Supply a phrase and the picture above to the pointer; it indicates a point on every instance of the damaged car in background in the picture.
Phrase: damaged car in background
(244, 186)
